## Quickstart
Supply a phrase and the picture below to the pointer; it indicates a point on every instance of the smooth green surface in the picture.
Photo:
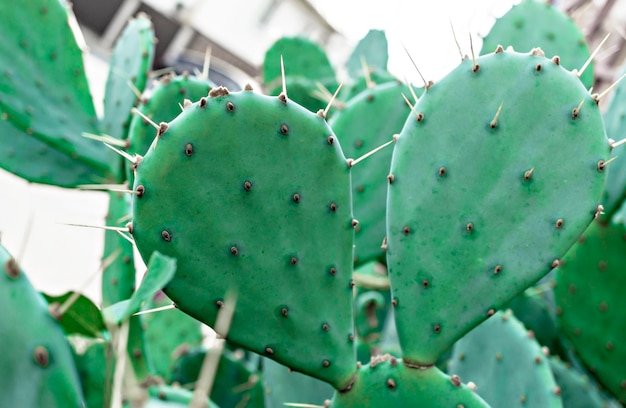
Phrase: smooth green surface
(536, 310)
(368, 121)
(263, 214)
(45, 98)
(83, 317)
(389, 383)
(535, 23)
(234, 384)
(95, 368)
(466, 232)
(590, 297)
(371, 49)
(36, 356)
(301, 56)
(506, 363)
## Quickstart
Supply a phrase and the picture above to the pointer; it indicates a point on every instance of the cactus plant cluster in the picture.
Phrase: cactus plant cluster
(376, 247)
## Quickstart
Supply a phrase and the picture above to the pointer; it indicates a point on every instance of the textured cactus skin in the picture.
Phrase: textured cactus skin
(468, 224)
(387, 382)
(591, 303)
(536, 310)
(506, 363)
(45, 101)
(282, 386)
(162, 104)
(130, 62)
(615, 124)
(577, 390)
(271, 183)
(167, 331)
(535, 23)
(234, 384)
(36, 356)
(369, 120)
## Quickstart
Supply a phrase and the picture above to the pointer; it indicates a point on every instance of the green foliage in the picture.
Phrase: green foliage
(496, 205)
(506, 364)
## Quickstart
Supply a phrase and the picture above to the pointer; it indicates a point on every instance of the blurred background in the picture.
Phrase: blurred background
(59, 257)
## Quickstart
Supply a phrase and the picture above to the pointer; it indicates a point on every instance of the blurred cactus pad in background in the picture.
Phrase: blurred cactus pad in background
(335, 236)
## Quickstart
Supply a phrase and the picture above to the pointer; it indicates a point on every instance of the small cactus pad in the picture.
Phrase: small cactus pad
(388, 382)
(536, 23)
(130, 64)
(96, 367)
(506, 363)
(536, 310)
(369, 120)
(285, 386)
(371, 50)
(494, 176)
(251, 194)
(577, 389)
(45, 98)
(36, 356)
(590, 302)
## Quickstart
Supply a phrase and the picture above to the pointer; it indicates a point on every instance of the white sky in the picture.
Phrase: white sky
(58, 258)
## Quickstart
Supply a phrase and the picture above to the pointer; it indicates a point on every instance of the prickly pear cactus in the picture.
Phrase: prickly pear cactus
(388, 382)
(96, 366)
(511, 154)
(282, 386)
(369, 120)
(45, 101)
(537, 23)
(270, 183)
(36, 356)
(371, 50)
(506, 364)
(590, 301)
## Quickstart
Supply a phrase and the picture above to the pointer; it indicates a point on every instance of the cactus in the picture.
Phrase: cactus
(36, 355)
(371, 49)
(95, 368)
(274, 232)
(506, 364)
(536, 23)
(366, 122)
(387, 381)
(284, 386)
(496, 207)
(45, 101)
(590, 303)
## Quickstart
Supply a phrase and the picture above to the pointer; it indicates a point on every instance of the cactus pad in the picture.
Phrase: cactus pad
(492, 180)
(536, 23)
(506, 363)
(251, 194)
(388, 382)
(591, 303)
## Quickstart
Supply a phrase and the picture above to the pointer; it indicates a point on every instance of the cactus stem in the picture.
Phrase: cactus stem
(576, 110)
(426, 84)
(107, 139)
(494, 122)
(370, 153)
(366, 73)
(207, 63)
(324, 113)
(456, 41)
(144, 117)
(580, 72)
(610, 88)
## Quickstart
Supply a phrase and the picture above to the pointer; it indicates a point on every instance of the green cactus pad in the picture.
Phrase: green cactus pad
(368, 121)
(45, 101)
(578, 390)
(130, 63)
(162, 104)
(536, 310)
(388, 382)
(590, 303)
(251, 194)
(536, 23)
(234, 384)
(506, 363)
(372, 49)
(168, 331)
(36, 356)
(95, 368)
(492, 180)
